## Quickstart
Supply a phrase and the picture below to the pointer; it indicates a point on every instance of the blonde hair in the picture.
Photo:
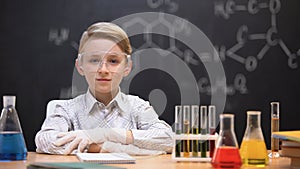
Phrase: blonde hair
(108, 31)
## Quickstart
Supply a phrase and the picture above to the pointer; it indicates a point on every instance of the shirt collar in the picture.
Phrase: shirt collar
(121, 101)
(118, 100)
(90, 101)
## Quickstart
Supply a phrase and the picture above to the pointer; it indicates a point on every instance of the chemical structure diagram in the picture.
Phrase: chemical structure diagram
(181, 26)
(228, 8)
(223, 9)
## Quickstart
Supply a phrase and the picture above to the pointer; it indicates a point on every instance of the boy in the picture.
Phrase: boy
(104, 119)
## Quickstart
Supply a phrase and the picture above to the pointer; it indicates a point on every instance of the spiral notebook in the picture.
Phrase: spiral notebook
(106, 158)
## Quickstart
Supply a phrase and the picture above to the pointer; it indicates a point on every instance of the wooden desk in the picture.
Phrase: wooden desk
(143, 162)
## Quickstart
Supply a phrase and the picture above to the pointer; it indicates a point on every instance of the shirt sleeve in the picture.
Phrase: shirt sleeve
(53, 124)
(152, 133)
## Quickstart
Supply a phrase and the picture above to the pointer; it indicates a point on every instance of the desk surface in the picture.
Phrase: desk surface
(145, 162)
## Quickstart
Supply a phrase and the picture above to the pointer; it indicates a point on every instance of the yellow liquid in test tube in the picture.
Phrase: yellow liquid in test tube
(186, 143)
(254, 153)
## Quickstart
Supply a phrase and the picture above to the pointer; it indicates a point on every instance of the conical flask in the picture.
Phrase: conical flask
(253, 149)
(226, 154)
(12, 143)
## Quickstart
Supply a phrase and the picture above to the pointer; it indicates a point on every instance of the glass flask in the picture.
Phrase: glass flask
(12, 143)
(253, 149)
(226, 153)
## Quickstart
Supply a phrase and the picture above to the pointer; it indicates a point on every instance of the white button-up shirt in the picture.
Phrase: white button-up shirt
(124, 111)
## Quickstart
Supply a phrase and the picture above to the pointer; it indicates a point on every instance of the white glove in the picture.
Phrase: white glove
(82, 138)
(100, 135)
(113, 147)
(76, 139)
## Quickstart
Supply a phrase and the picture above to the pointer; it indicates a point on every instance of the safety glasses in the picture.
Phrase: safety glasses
(113, 61)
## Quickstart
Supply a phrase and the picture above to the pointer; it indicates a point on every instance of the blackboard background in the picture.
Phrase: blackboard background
(37, 70)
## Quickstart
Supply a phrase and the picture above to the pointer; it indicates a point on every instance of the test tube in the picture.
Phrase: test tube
(203, 128)
(195, 128)
(274, 127)
(212, 127)
(186, 130)
(178, 128)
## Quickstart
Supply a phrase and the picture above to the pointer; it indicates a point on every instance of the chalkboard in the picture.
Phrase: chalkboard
(256, 43)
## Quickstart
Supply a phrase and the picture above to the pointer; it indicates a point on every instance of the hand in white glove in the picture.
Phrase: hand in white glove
(82, 138)
(100, 135)
(77, 140)
(113, 147)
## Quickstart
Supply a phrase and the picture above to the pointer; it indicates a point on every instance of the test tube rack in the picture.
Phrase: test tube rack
(199, 137)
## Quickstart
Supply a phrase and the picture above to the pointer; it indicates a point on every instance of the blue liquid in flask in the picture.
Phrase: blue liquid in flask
(12, 143)
(14, 149)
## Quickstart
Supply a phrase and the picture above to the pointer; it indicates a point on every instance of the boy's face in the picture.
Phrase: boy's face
(103, 64)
